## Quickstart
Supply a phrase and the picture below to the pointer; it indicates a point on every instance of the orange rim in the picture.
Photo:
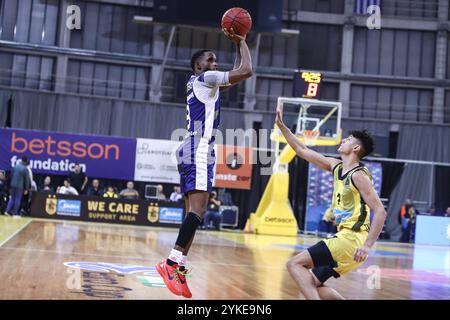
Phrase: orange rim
(310, 135)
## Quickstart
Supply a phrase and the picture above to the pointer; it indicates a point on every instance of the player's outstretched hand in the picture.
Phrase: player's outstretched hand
(361, 254)
(233, 36)
(279, 120)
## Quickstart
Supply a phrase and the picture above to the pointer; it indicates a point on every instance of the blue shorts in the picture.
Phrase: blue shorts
(196, 160)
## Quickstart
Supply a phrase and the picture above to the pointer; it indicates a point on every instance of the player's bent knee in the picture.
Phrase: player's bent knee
(290, 264)
(302, 259)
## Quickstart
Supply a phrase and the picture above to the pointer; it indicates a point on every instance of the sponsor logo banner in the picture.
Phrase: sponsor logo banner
(171, 215)
(57, 153)
(68, 207)
(156, 161)
(234, 167)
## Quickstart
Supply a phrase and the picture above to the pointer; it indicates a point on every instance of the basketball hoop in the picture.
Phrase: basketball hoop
(310, 137)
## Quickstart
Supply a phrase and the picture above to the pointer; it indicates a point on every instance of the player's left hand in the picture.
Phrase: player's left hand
(279, 120)
(361, 254)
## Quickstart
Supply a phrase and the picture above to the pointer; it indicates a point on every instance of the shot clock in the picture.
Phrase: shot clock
(307, 84)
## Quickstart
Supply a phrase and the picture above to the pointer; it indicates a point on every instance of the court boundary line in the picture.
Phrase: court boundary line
(15, 233)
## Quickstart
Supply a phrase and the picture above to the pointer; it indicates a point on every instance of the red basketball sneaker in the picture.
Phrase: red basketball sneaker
(171, 276)
(182, 273)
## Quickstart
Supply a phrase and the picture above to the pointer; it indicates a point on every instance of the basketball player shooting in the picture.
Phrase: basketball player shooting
(195, 155)
(353, 197)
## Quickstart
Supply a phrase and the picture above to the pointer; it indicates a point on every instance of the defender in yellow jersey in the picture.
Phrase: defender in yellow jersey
(349, 208)
(353, 197)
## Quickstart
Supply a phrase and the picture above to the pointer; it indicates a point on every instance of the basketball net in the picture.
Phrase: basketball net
(310, 136)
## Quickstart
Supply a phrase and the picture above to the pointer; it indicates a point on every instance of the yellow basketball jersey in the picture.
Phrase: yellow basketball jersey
(349, 208)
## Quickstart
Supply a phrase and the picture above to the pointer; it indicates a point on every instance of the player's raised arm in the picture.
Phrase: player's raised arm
(243, 64)
(301, 149)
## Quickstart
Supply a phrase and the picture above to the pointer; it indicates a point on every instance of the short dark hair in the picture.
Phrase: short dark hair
(366, 141)
(24, 160)
(196, 56)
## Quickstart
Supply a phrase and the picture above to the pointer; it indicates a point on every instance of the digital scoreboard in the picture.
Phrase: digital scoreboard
(307, 84)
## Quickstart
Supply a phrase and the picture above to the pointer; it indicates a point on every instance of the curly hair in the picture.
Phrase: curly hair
(366, 140)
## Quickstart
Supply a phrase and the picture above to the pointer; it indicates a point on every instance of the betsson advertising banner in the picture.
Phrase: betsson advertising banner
(57, 153)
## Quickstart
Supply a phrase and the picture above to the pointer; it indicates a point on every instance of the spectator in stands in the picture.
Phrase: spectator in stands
(78, 179)
(431, 211)
(160, 192)
(110, 193)
(20, 185)
(129, 192)
(3, 192)
(94, 189)
(47, 186)
(408, 215)
(403, 210)
(176, 195)
(447, 212)
(213, 212)
(67, 188)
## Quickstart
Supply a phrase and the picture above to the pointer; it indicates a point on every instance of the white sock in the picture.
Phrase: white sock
(176, 255)
(183, 260)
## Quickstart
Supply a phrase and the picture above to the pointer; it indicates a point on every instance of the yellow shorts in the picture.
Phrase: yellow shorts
(334, 256)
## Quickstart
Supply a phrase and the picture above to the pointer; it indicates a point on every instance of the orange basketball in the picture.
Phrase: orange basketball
(237, 18)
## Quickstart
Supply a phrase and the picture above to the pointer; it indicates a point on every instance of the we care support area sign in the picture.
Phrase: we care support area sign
(121, 158)
(97, 209)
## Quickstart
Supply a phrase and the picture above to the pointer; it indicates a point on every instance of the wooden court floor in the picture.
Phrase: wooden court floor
(48, 259)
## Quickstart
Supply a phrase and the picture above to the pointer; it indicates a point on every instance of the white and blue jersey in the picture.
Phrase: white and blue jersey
(195, 155)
